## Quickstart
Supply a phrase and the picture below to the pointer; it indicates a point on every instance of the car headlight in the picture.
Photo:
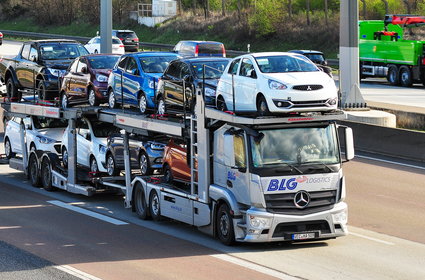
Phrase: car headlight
(259, 222)
(155, 146)
(276, 85)
(45, 140)
(209, 91)
(102, 149)
(101, 78)
(56, 72)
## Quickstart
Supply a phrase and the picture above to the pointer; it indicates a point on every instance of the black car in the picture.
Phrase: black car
(181, 79)
(129, 39)
(318, 58)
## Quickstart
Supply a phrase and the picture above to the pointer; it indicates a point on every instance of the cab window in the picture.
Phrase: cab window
(239, 149)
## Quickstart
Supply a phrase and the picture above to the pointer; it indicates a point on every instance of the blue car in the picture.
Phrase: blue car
(134, 78)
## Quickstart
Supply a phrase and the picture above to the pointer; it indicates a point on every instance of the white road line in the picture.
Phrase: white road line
(393, 162)
(75, 272)
(87, 212)
(371, 238)
(254, 266)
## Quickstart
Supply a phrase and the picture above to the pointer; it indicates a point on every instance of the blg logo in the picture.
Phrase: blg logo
(284, 184)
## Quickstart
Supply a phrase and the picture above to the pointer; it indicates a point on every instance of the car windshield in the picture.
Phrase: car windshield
(155, 64)
(126, 35)
(295, 146)
(101, 129)
(58, 51)
(315, 57)
(285, 63)
(213, 69)
(42, 122)
(103, 61)
(116, 41)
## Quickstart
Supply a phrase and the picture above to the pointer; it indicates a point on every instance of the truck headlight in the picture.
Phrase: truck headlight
(276, 85)
(340, 218)
(102, 149)
(101, 78)
(259, 222)
(45, 140)
(209, 91)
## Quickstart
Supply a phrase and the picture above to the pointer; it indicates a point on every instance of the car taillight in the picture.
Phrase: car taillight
(136, 39)
(223, 50)
(121, 46)
(122, 39)
(196, 50)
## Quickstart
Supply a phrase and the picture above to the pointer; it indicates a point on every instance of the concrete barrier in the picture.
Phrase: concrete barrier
(394, 142)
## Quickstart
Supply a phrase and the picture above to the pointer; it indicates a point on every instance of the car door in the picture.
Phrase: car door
(246, 86)
(67, 79)
(13, 130)
(83, 143)
(80, 80)
(131, 79)
(225, 86)
(173, 85)
(23, 73)
(117, 80)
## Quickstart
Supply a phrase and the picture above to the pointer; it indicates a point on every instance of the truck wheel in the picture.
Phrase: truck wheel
(262, 108)
(144, 164)
(46, 175)
(405, 76)
(8, 149)
(33, 170)
(392, 75)
(140, 202)
(12, 91)
(111, 168)
(224, 224)
(154, 206)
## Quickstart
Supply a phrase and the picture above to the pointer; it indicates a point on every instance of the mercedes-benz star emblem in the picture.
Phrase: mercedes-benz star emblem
(301, 199)
(308, 88)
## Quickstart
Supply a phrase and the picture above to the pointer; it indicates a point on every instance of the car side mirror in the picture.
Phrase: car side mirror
(84, 70)
(34, 58)
(28, 126)
(135, 72)
(88, 136)
(251, 73)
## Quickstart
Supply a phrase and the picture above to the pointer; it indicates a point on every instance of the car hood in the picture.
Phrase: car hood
(102, 140)
(58, 64)
(54, 133)
(300, 78)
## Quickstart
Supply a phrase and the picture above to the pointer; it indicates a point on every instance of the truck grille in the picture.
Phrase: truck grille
(284, 203)
(285, 229)
(308, 87)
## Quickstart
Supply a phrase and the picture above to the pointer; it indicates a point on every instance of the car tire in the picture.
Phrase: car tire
(162, 108)
(143, 103)
(405, 76)
(12, 90)
(112, 101)
(168, 175)
(42, 92)
(95, 51)
(64, 101)
(111, 167)
(33, 170)
(139, 200)
(224, 225)
(392, 75)
(46, 175)
(144, 164)
(262, 108)
(221, 104)
(91, 97)
(8, 149)
(94, 169)
(155, 206)
(65, 157)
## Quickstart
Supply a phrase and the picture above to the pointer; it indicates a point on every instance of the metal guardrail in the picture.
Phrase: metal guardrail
(143, 45)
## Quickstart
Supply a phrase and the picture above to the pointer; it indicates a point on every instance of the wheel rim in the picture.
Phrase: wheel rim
(110, 166)
(64, 101)
(65, 157)
(155, 204)
(7, 148)
(224, 224)
(263, 106)
(404, 76)
(161, 107)
(41, 91)
(143, 164)
(92, 97)
(33, 169)
(93, 166)
(111, 99)
(167, 174)
(46, 173)
(392, 75)
(142, 103)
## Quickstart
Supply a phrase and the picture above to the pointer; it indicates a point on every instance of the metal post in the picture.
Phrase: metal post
(72, 153)
(127, 167)
(122, 94)
(106, 26)
(233, 93)
(349, 55)
(24, 147)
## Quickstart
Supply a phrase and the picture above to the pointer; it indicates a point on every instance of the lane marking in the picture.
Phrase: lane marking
(393, 162)
(75, 272)
(255, 267)
(371, 238)
(87, 212)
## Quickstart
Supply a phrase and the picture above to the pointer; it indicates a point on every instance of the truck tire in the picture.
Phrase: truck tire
(405, 76)
(34, 170)
(224, 225)
(46, 175)
(154, 206)
(12, 90)
(392, 75)
(139, 201)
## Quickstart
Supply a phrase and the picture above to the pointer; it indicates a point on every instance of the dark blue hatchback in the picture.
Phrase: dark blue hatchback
(134, 78)
(200, 48)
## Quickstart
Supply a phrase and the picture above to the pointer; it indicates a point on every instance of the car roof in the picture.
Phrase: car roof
(198, 42)
(113, 37)
(205, 58)
(123, 30)
(306, 51)
(52, 41)
(260, 54)
(100, 54)
(140, 54)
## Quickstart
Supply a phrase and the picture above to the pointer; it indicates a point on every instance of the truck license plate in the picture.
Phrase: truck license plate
(303, 236)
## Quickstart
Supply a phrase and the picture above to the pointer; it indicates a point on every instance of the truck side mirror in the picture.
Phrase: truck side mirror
(229, 153)
(349, 143)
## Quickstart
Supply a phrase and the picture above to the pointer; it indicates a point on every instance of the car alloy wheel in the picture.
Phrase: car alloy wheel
(111, 99)
(161, 106)
(64, 101)
(92, 98)
(142, 103)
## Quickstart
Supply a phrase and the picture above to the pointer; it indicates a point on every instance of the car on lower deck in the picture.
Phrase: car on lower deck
(175, 162)
(275, 83)
(145, 155)
(134, 79)
(41, 134)
(86, 80)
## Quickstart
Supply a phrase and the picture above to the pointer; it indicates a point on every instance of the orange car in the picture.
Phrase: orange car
(175, 166)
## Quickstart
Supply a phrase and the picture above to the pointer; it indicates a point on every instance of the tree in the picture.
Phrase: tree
(307, 2)
(364, 9)
(386, 7)
(326, 12)
(290, 8)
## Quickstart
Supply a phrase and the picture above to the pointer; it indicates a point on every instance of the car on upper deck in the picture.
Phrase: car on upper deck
(134, 79)
(318, 58)
(275, 82)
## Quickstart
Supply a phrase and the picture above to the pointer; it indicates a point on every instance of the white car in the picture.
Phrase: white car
(93, 46)
(44, 134)
(275, 82)
(91, 144)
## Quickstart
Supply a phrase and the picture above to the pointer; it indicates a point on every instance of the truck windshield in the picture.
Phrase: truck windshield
(298, 147)
(59, 51)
